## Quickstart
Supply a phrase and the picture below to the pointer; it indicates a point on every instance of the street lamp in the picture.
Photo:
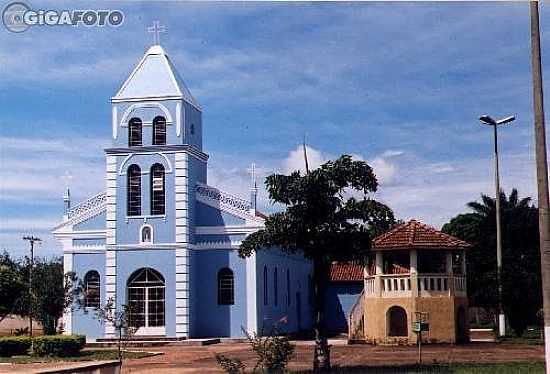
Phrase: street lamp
(487, 120)
(31, 239)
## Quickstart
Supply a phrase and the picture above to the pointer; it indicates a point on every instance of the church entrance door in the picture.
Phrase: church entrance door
(146, 299)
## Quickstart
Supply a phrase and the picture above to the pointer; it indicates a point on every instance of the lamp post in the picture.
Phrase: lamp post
(32, 240)
(487, 120)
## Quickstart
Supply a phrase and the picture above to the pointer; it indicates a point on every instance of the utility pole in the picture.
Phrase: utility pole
(487, 120)
(305, 155)
(542, 173)
(31, 239)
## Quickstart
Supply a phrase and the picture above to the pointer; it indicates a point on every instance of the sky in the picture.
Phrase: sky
(399, 85)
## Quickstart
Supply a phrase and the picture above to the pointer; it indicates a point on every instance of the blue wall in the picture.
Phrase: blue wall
(211, 319)
(128, 228)
(299, 316)
(209, 216)
(84, 321)
(340, 298)
(94, 223)
(160, 260)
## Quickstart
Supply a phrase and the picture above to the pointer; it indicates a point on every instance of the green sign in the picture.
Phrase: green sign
(421, 326)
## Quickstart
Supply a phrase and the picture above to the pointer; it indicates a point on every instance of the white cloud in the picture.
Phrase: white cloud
(296, 160)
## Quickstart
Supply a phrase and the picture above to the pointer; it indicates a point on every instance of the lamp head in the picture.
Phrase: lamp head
(487, 120)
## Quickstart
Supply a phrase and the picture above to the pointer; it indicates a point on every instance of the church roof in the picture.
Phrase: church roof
(155, 77)
(416, 235)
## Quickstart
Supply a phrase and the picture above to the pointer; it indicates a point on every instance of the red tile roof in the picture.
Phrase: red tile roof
(416, 235)
(346, 272)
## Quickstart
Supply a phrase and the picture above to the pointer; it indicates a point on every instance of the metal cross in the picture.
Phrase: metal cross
(156, 29)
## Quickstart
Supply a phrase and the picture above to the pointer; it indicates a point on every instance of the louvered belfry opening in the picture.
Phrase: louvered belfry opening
(158, 205)
(159, 131)
(135, 138)
(134, 191)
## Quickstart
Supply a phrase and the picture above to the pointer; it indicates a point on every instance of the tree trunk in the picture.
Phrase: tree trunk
(321, 354)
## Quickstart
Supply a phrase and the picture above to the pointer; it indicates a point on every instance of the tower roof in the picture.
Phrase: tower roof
(155, 77)
(416, 235)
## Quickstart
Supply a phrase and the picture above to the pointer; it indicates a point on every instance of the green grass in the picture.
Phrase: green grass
(507, 368)
(85, 355)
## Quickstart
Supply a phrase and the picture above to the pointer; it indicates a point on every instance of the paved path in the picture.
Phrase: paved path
(201, 359)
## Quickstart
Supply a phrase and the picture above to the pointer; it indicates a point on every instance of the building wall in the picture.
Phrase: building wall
(442, 315)
(298, 315)
(339, 299)
(84, 321)
(210, 319)
(161, 260)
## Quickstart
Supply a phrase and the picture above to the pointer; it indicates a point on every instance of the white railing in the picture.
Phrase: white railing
(400, 285)
(95, 202)
(370, 285)
(460, 284)
(433, 283)
(395, 284)
(356, 318)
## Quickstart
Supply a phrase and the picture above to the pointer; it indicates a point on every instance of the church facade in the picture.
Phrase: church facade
(163, 241)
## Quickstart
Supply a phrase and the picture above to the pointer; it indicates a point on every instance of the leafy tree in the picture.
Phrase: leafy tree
(324, 221)
(12, 286)
(521, 278)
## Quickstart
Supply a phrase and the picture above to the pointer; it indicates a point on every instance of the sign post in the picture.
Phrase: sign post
(420, 324)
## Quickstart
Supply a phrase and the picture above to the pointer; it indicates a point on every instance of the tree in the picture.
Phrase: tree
(12, 287)
(521, 281)
(324, 221)
(121, 319)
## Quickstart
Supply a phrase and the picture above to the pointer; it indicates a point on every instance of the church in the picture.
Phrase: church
(162, 240)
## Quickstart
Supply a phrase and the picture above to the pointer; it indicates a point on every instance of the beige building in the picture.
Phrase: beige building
(414, 268)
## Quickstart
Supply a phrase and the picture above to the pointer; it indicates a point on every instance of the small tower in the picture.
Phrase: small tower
(415, 268)
(66, 204)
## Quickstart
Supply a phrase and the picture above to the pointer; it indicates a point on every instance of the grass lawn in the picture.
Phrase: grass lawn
(85, 355)
(508, 368)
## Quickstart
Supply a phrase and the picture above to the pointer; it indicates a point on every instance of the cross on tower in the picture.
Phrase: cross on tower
(156, 29)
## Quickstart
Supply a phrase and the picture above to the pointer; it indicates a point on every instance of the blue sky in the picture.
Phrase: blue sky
(397, 84)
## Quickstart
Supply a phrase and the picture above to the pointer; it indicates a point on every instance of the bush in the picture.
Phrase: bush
(58, 345)
(14, 345)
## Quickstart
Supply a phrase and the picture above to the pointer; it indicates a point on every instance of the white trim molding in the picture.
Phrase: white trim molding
(251, 295)
(68, 313)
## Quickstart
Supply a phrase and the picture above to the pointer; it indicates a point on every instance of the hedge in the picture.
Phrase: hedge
(49, 345)
(58, 345)
(14, 345)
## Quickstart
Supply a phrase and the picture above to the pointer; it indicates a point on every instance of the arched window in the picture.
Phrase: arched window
(226, 287)
(146, 235)
(134, 191)
(288, 287)
(275, 287)
(157, 190)
(159, 130)
(92, 289)
(265, 285)
(146, 290)
(134, 133)
(397, 321)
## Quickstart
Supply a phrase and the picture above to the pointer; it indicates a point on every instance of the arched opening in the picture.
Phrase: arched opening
(226, 287)
(146, 234)
(134, 190)
(135, 133)
(157, 190)
(146, 300)
(461, 325)
(397, 322)
(92, 289)
(265, 285)
(159, 130)
(275, 287)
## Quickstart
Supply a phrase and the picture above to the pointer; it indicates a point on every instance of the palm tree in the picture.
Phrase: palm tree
(520, 255)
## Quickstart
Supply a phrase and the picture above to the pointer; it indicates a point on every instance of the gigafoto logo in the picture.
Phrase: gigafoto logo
(18, 17)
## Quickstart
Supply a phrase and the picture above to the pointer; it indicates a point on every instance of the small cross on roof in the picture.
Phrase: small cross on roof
(156, 29)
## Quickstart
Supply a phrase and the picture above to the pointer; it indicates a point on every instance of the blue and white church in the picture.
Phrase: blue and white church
(162, 240)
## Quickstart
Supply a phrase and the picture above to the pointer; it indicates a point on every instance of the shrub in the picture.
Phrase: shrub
(58, 345)
(14, 345)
